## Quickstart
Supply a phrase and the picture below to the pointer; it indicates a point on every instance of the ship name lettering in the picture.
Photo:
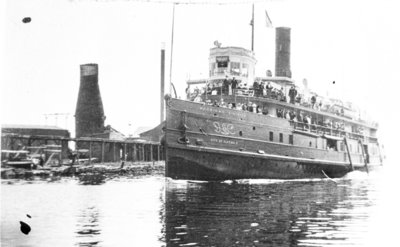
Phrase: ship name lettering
(217, 140)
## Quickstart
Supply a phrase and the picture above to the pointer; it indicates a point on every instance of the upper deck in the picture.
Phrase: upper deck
(232, 79)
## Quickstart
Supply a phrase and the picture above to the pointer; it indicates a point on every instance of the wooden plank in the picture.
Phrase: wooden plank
(49, 159)
(15, 151)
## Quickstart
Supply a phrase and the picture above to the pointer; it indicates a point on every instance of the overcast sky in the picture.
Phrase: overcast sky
(354, 43)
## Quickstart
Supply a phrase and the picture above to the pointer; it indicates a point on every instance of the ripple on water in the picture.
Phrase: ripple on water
(161, 212)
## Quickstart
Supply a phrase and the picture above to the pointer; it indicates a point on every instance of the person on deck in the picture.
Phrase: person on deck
(292, 94)
(256, 87)
(269, 89)
(292, 115)
(265, 110)
(225, 85)
(281, 94)
(234, 83)
(187, 90)
(313, 101)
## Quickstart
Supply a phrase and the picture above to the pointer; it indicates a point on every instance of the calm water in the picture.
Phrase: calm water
(154, 211)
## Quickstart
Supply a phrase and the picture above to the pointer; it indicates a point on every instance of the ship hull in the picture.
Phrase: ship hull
(211, 164)
(198, 148)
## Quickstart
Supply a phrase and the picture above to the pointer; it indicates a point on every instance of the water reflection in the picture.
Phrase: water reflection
(154, 211)
(291, 213)
(88, 227)
(123, 211)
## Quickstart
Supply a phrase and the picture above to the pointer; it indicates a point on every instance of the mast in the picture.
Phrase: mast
(172, 47)
(162, 82)
(252, 29)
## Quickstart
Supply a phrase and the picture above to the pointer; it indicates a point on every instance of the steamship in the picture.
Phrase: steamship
(207, 137)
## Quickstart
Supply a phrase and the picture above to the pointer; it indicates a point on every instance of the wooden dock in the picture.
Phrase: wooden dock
(85, 148)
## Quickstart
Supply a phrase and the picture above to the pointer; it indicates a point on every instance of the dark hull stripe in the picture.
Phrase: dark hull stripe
(208, 164)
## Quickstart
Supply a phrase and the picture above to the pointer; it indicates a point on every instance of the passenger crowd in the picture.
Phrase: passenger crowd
(300, 119)
(262, 89)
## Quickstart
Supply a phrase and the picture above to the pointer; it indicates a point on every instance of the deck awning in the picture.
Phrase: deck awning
(307, 133)
(277, 79)
(336, 138)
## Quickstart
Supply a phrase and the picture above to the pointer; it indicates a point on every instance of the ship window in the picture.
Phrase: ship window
(271, 136)
(331, 144)
(341, 146)
(235, 68)
(245, 70)
(291, 139)
(280, 137)
(240, 133)
(310, 144)
(222, 61)
(254, 128)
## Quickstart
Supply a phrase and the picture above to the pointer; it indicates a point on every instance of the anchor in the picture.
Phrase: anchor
(183, 127)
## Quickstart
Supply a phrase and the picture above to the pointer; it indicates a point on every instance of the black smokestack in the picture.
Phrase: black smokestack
(89, 114)
(282, 52)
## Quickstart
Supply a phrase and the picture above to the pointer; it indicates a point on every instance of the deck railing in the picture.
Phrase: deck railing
(321, 130)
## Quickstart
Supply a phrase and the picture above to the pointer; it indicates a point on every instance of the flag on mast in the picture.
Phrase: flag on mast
(268, 21)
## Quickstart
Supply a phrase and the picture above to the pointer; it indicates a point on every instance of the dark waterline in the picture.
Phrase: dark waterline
(154, 211)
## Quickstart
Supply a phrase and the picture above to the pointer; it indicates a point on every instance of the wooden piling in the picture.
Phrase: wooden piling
(113, 151)
(124, 153)
(134, 156)
(90, 152)
(143, 153)
(348, 153)
(158, 152)
(102, 151)
(77, 150)
(59, 155)
(151, 152)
